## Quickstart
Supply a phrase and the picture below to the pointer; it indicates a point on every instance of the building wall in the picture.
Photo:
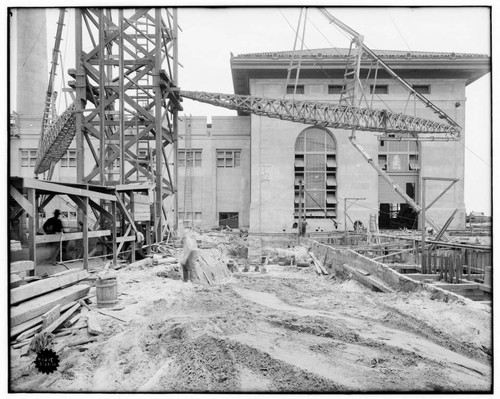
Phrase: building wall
(273, 157)
(273, 149)
(217, 189)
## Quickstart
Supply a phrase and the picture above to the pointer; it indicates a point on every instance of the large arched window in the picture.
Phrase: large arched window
(316, 167)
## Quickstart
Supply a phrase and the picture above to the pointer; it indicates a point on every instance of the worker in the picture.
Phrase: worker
(54, 225)
(189, 257)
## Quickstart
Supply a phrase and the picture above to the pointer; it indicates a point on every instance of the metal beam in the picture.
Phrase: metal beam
(324, 114)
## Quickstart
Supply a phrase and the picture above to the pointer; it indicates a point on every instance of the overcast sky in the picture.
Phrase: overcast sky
(209, 35)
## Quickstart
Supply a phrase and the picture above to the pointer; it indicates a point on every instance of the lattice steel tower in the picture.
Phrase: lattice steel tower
(126, 98)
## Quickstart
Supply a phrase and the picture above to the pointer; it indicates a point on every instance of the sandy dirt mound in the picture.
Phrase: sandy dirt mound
(287, 330)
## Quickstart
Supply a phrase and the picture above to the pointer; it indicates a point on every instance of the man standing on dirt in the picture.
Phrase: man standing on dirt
(189, 257)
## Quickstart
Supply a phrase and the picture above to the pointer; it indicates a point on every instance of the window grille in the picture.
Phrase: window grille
(335, 89)
(68, 160)
(28, 158)
(192, 157)
(228, 158)
(316, 167)
(379, 89)
(422, 89)
(292, 89)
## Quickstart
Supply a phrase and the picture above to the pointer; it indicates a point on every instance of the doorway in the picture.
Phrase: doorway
(229, 219)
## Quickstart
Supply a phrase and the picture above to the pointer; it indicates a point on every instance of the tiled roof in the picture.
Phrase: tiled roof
(343, 52)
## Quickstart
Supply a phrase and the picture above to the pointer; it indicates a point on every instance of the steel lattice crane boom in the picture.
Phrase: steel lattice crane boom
(327, 115)
(339, 117)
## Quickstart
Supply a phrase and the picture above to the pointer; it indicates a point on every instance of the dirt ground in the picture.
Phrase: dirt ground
(287, 330)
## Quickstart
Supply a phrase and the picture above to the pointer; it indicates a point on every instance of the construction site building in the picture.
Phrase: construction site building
(246, 169)
(274, 158)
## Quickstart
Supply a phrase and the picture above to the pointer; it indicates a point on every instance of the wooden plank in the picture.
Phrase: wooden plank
(63, 189)
(134, 186)
(61, 319)
(22, 266)
(111, 315)
(52, 315)
(38, 306)
(125, 211)
(93, 326)
(29, 333)
(72, 321)
(21, 200)
(458, 287)
(367, 280)
(15, 280)
(484, 287)
(363, 272)
(318, 264)
(36, 321)
(102, 211)
(70, 236)
(82, 302)
(25, 292)
(18, 345)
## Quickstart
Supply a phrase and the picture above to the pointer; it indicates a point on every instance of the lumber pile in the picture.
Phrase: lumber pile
(44, 305)
(320, 268)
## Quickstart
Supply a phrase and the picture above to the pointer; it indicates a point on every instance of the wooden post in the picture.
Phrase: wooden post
(85, 221)
(424, 268)
(445, 268)
(32, 227)
(460, 266)
(440, 267)
(450, 268)
(113, 230)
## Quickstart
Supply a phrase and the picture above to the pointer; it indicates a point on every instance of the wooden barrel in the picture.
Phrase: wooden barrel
(106, 292)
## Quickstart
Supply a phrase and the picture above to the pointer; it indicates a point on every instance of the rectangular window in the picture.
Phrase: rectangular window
(191, 157)
(229, 219)
(379, 89)
(228, 158)
(410, 190)
(28, 158)
(291, 89)
(413, 163)
(382, 161)
(68, 160)
(422, 89)
(335, 89)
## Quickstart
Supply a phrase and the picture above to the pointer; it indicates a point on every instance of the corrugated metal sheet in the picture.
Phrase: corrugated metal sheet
(387, 195)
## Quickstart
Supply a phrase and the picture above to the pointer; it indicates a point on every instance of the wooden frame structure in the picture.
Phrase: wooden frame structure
(32, 196)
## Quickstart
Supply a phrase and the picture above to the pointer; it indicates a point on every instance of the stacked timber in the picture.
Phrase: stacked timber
(46, 303)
